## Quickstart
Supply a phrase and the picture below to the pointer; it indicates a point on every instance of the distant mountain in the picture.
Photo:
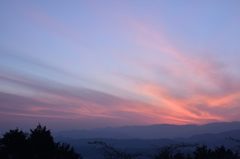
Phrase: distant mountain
(215, 139)
(150, 146)
(152, 131)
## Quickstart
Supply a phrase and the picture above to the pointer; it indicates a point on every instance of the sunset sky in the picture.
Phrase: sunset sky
(88, 64)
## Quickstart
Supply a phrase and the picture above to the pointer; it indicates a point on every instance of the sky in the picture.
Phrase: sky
(90, 64)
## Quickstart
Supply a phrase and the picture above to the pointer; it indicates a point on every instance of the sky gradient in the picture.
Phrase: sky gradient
(89, 64)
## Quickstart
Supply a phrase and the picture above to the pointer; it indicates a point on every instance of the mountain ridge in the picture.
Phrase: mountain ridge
(155, 131)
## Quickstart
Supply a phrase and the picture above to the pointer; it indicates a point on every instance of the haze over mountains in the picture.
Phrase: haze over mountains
(147, 139)
(152, 131)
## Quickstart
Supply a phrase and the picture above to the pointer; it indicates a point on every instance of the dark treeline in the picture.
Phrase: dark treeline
(170, 152)
(200, 152)
(40, 144)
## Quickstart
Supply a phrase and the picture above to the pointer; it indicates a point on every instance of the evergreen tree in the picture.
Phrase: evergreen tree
(14, 145)
(39, 144)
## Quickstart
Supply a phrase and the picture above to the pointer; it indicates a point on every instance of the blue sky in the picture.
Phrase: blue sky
(119, 62)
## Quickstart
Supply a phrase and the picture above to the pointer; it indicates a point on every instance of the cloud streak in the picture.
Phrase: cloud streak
(185, 82)
(117, 66)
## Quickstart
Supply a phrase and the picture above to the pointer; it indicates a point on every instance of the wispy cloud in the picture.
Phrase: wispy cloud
(116, 65)
(183, 80)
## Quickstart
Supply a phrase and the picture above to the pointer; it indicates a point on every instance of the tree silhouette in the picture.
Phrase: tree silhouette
(112, 153)
(202, 152)
(65, 151)
(14, 145)
(172, 151)
(164, 153)
(223, 153)
(39, 144)
(179, 155)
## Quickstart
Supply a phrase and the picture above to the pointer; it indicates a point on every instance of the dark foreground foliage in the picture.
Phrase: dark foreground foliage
(39, 144)
(110, 152)
(200, 152)
(170, 152)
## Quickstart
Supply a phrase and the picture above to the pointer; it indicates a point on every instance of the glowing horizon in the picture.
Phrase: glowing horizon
(95, 64)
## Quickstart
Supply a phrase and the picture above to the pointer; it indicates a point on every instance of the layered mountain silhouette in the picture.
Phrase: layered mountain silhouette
(152, 131)
(213, 141)
(147, 139)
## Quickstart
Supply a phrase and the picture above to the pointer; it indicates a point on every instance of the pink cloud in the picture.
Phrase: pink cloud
(180, 82)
